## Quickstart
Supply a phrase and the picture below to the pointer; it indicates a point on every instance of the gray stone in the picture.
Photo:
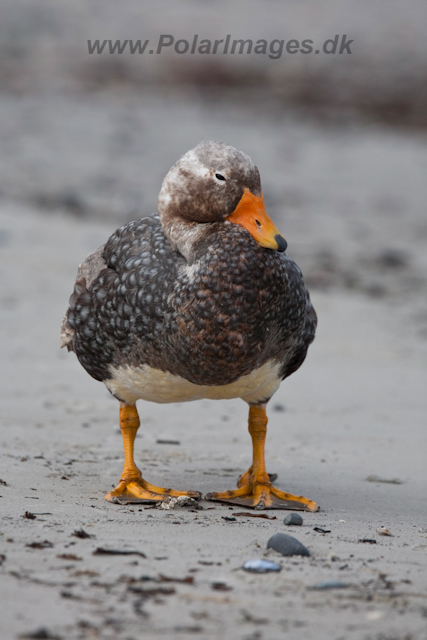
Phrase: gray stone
(287, 545)
(293, 518)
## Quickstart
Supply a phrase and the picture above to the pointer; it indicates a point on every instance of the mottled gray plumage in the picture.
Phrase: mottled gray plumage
(210, 313)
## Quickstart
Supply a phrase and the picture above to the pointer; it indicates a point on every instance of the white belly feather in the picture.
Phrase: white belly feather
(134, 383)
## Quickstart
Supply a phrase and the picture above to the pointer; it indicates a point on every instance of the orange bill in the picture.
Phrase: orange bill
(250, 213)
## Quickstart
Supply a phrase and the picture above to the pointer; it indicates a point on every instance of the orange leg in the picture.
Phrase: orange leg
(132, 487)
(254, 486)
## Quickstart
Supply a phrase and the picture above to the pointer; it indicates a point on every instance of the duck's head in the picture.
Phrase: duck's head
(210, 185)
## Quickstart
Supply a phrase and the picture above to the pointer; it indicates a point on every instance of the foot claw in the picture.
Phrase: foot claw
(139, 491)
(261, 496)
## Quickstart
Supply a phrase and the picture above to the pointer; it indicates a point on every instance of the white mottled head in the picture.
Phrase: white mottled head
(208, 186)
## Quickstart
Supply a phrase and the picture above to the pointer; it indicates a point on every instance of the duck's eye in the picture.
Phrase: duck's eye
(218, 176)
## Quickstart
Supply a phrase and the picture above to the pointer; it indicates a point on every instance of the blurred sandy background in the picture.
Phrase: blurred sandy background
(341, 144)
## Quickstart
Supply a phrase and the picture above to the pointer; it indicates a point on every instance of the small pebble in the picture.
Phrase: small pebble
(180, 501)
(383, 531)
(221, 586)
(261, 566)
(293, 518)
(287, 545)
(330, 584)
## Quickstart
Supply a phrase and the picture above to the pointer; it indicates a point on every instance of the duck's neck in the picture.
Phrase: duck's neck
(186, 237)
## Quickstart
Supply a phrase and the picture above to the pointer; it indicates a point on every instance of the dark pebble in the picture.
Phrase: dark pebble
(221, 586)
(293, 518)
(287, 545)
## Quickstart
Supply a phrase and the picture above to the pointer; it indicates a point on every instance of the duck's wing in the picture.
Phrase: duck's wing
(119, 307)
(87, 272)
(109, 260)
(299, 351)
